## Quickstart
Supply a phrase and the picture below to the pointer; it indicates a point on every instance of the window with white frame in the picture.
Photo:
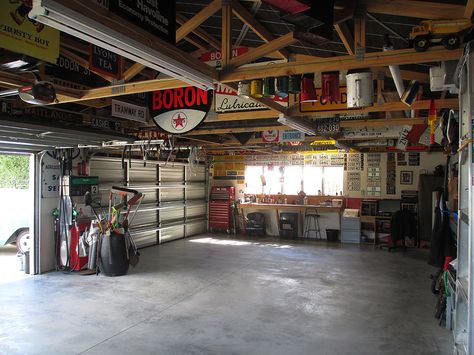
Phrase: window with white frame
(289, 180)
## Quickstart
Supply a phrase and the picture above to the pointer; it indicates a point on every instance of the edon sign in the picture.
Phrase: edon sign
(180, 110)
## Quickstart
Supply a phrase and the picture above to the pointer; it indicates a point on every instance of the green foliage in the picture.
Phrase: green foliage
(14, 171)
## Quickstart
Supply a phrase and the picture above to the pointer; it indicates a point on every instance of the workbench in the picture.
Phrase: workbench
(330, 217)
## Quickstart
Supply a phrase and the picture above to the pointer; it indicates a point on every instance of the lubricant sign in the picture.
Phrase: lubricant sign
(180, 110)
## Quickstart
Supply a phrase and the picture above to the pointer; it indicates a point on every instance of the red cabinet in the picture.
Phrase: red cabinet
(220, 207)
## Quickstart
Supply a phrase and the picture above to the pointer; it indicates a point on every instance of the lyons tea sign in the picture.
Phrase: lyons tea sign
(180, 110)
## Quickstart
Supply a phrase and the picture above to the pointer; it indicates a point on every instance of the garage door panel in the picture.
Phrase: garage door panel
(194, 228)
(171, 233)
(171, 173)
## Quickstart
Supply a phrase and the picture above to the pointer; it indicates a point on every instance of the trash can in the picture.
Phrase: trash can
(113, 255)
(288, 225)
(332, 235)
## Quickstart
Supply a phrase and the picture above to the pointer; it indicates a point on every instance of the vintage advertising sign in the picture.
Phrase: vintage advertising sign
(322, 105)
(214, 59)
(129, 111)
(180, 110)
(271, 136)
(227, 100)
(372, 132)
(285, 136)
(291, 136)
(105, 62)
(19, 33)
(156, 17)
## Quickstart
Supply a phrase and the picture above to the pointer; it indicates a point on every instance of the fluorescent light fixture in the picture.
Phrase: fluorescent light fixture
(60, 17)
(298, 124)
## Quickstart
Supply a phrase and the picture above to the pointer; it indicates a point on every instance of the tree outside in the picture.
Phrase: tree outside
(14, 171)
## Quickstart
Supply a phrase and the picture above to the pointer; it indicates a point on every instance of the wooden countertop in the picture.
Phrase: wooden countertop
(269, 206)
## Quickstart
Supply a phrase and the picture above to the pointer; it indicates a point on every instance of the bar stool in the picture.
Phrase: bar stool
(311, 223)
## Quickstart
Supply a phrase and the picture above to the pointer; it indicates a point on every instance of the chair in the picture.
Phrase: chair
(255, 223)
(311, 223)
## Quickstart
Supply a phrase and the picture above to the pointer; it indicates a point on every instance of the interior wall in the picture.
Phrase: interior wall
(428, 161)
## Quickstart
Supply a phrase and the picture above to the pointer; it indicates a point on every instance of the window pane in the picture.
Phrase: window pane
(272, 175)
(333, 180)
(253, 183)
(312, 176)
(293, 176)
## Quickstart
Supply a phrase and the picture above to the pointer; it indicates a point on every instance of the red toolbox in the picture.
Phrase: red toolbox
(220, 207)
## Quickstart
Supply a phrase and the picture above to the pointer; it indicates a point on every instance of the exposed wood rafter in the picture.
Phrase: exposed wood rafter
(247, 18)
(226, 33)
(468, 10)
(181, 19)
(194, 22)
(346, 37)
(264, 49)
(414, 8)
(377, 59)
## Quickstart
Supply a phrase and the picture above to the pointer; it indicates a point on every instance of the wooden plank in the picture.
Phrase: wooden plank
(408, 75)
(199, 132)
(226, 34)
(382, 122)
(359, 33)
(181, 19)
(132, 71)
(469, 8)
(414, 8)
(377, 59)
(247, 18)
(346, 37)
(264, 49)
(197, 19)
(249, 115)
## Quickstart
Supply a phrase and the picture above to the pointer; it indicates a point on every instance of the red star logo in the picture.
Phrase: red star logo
(179, 121)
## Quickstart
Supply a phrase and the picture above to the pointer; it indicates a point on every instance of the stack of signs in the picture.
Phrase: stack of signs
(373, 175)
(180, 110)
(354, 162)
(391, 174)
(353, 181)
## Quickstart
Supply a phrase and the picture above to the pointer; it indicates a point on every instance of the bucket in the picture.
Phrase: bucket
(360, 89)
(332, 235)
(113, 255)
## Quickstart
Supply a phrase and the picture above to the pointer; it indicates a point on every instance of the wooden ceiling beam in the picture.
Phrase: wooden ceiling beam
(195, 21)
(264, 49)
(359, 33)
(206, 37)
(414, 8)
(132, 71)
(407, 75)
(226, 34)
(346, 37)
(468, 9)
(377, 59)
(247, 18)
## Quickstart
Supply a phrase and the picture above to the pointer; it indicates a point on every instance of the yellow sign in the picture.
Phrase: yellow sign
(323, 142)
(19, 33)
(322, 105)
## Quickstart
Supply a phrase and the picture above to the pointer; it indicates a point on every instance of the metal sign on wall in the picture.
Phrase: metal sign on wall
(129, 111)
(322, 105)
(156, 17)
(106, 62)
(21, 34)
(180, 110)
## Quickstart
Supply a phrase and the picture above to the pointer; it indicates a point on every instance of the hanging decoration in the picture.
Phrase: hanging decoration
(269, 87)
(256, 88)
(282, 86)
(308, 93)
(330, 86)
(432, 118)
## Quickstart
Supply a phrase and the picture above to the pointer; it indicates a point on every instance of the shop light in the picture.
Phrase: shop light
(60, 17)
(298, 124)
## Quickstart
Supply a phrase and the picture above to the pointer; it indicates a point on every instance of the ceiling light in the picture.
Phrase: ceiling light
(56, 15)
(298, 124)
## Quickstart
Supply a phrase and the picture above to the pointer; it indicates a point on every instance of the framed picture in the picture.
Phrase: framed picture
(406, 177)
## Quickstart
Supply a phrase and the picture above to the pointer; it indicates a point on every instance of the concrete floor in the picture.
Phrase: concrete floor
(219, 295)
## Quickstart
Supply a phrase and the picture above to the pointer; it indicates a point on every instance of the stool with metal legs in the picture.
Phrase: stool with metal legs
(311, 223)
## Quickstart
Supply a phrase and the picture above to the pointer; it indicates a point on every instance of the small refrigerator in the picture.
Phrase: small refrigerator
(350, 226)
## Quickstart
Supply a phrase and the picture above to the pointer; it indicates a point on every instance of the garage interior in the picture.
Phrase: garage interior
(230, 177)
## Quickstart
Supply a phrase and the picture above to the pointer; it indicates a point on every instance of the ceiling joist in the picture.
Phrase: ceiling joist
(206, 37)
(194, 22)
(226, 34)
(247, 18)
(346, 37)
(415, 8)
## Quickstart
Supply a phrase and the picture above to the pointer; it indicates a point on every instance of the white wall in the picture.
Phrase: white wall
(428, 161)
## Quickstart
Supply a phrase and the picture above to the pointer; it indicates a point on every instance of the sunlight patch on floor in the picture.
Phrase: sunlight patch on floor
(238, 243)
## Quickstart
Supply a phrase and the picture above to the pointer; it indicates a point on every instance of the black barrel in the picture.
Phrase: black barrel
(113, 255)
